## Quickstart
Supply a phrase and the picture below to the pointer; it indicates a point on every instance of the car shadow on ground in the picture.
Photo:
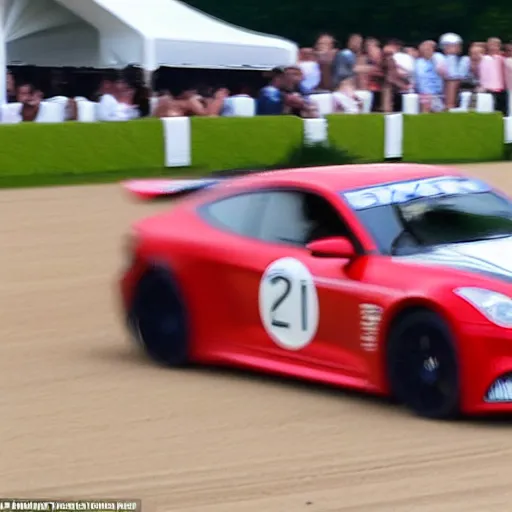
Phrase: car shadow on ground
(135, 356)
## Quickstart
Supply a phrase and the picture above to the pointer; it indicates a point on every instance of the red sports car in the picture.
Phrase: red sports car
(391, 279)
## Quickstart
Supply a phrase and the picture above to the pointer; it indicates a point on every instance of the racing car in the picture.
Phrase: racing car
(391, 279)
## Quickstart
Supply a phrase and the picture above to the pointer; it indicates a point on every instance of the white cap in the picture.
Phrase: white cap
(449, 38)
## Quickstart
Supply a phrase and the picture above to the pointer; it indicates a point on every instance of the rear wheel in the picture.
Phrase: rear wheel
(422, 365)
(158, 318)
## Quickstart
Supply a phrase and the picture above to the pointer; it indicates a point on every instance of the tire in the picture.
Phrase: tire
(422, 366)
(158, 318)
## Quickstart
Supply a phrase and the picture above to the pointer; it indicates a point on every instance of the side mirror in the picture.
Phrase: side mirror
(333, 247)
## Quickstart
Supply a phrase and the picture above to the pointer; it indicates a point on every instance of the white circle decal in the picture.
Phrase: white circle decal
(288, 303)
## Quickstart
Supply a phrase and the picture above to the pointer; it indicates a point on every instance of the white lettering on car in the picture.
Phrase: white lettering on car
(401, 192)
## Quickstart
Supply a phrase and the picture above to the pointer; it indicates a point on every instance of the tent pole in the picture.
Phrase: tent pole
(3, 55)
(148, 78)
(148, 59)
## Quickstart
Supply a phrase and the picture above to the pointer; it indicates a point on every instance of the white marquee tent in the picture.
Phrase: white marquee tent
(115, 33)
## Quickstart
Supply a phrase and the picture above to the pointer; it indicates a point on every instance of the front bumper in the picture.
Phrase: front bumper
(485, 354)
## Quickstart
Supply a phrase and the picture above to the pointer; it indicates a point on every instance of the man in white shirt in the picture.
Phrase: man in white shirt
(455, 67)
(310, 70)
(116, 102)
(405, 64)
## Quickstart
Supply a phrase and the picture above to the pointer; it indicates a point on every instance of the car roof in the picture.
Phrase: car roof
(347, 177)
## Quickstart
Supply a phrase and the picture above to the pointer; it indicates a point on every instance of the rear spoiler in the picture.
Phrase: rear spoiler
(159, 188)
(148, 189)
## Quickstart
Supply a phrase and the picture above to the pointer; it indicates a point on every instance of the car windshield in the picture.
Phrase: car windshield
(437, 212)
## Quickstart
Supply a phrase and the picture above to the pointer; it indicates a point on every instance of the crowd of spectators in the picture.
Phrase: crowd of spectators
(437, 71)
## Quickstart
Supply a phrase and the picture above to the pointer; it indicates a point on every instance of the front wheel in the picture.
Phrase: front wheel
(422, 365)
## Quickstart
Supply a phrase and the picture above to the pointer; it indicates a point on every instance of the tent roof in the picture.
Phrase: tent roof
(151, 33)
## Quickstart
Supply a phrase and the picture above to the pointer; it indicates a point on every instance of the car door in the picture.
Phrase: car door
(297, 306)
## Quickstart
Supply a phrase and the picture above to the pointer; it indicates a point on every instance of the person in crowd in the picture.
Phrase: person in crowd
(471, 82)
(395, 83)
(372, 79)
(125, 96)
(214, 101)
(345, 98)
(310, 70)
(412, 52)
(228, 107)
(31, 103)
(344, 63)
(108, 104)
(295, 92)
(71, 110)
(492, 74)
(363, 66)
(30, 100)
(141, 100)
(191, 103)
(10, 88)
(325, 51)
(294, 79)
(277, 97)
(429, 79)
(455, 65)
(24, 92)
(404, 61)
(167, 106)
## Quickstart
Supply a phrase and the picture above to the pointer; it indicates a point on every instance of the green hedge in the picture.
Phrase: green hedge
(453, 138)
(80, 148)
(237, 142)
(35, 154)
(361, 135)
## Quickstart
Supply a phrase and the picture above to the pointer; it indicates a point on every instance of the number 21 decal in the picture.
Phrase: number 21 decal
(288, 303)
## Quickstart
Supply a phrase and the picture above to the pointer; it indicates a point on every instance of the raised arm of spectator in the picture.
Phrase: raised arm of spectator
(216, 104)
(191, 103)
(294, 101)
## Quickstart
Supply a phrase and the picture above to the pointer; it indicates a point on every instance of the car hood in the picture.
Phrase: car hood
(491, 258)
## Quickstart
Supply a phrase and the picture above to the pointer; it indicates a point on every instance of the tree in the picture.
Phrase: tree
(409, 20)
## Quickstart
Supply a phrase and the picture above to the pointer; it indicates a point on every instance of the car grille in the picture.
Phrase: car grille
(500, 390)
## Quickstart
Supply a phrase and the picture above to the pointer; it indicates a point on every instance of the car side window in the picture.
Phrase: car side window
(298, 218)
(235, 213)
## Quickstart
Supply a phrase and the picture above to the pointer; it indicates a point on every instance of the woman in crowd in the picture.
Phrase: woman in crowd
(325, 52)
(345, 98)
(492, 74)
(375, 75)
(11, 88)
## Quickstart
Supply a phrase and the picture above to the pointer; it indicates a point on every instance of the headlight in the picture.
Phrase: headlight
(493, 305)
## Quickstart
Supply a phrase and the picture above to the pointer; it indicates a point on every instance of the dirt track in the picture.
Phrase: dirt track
(83, 415)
